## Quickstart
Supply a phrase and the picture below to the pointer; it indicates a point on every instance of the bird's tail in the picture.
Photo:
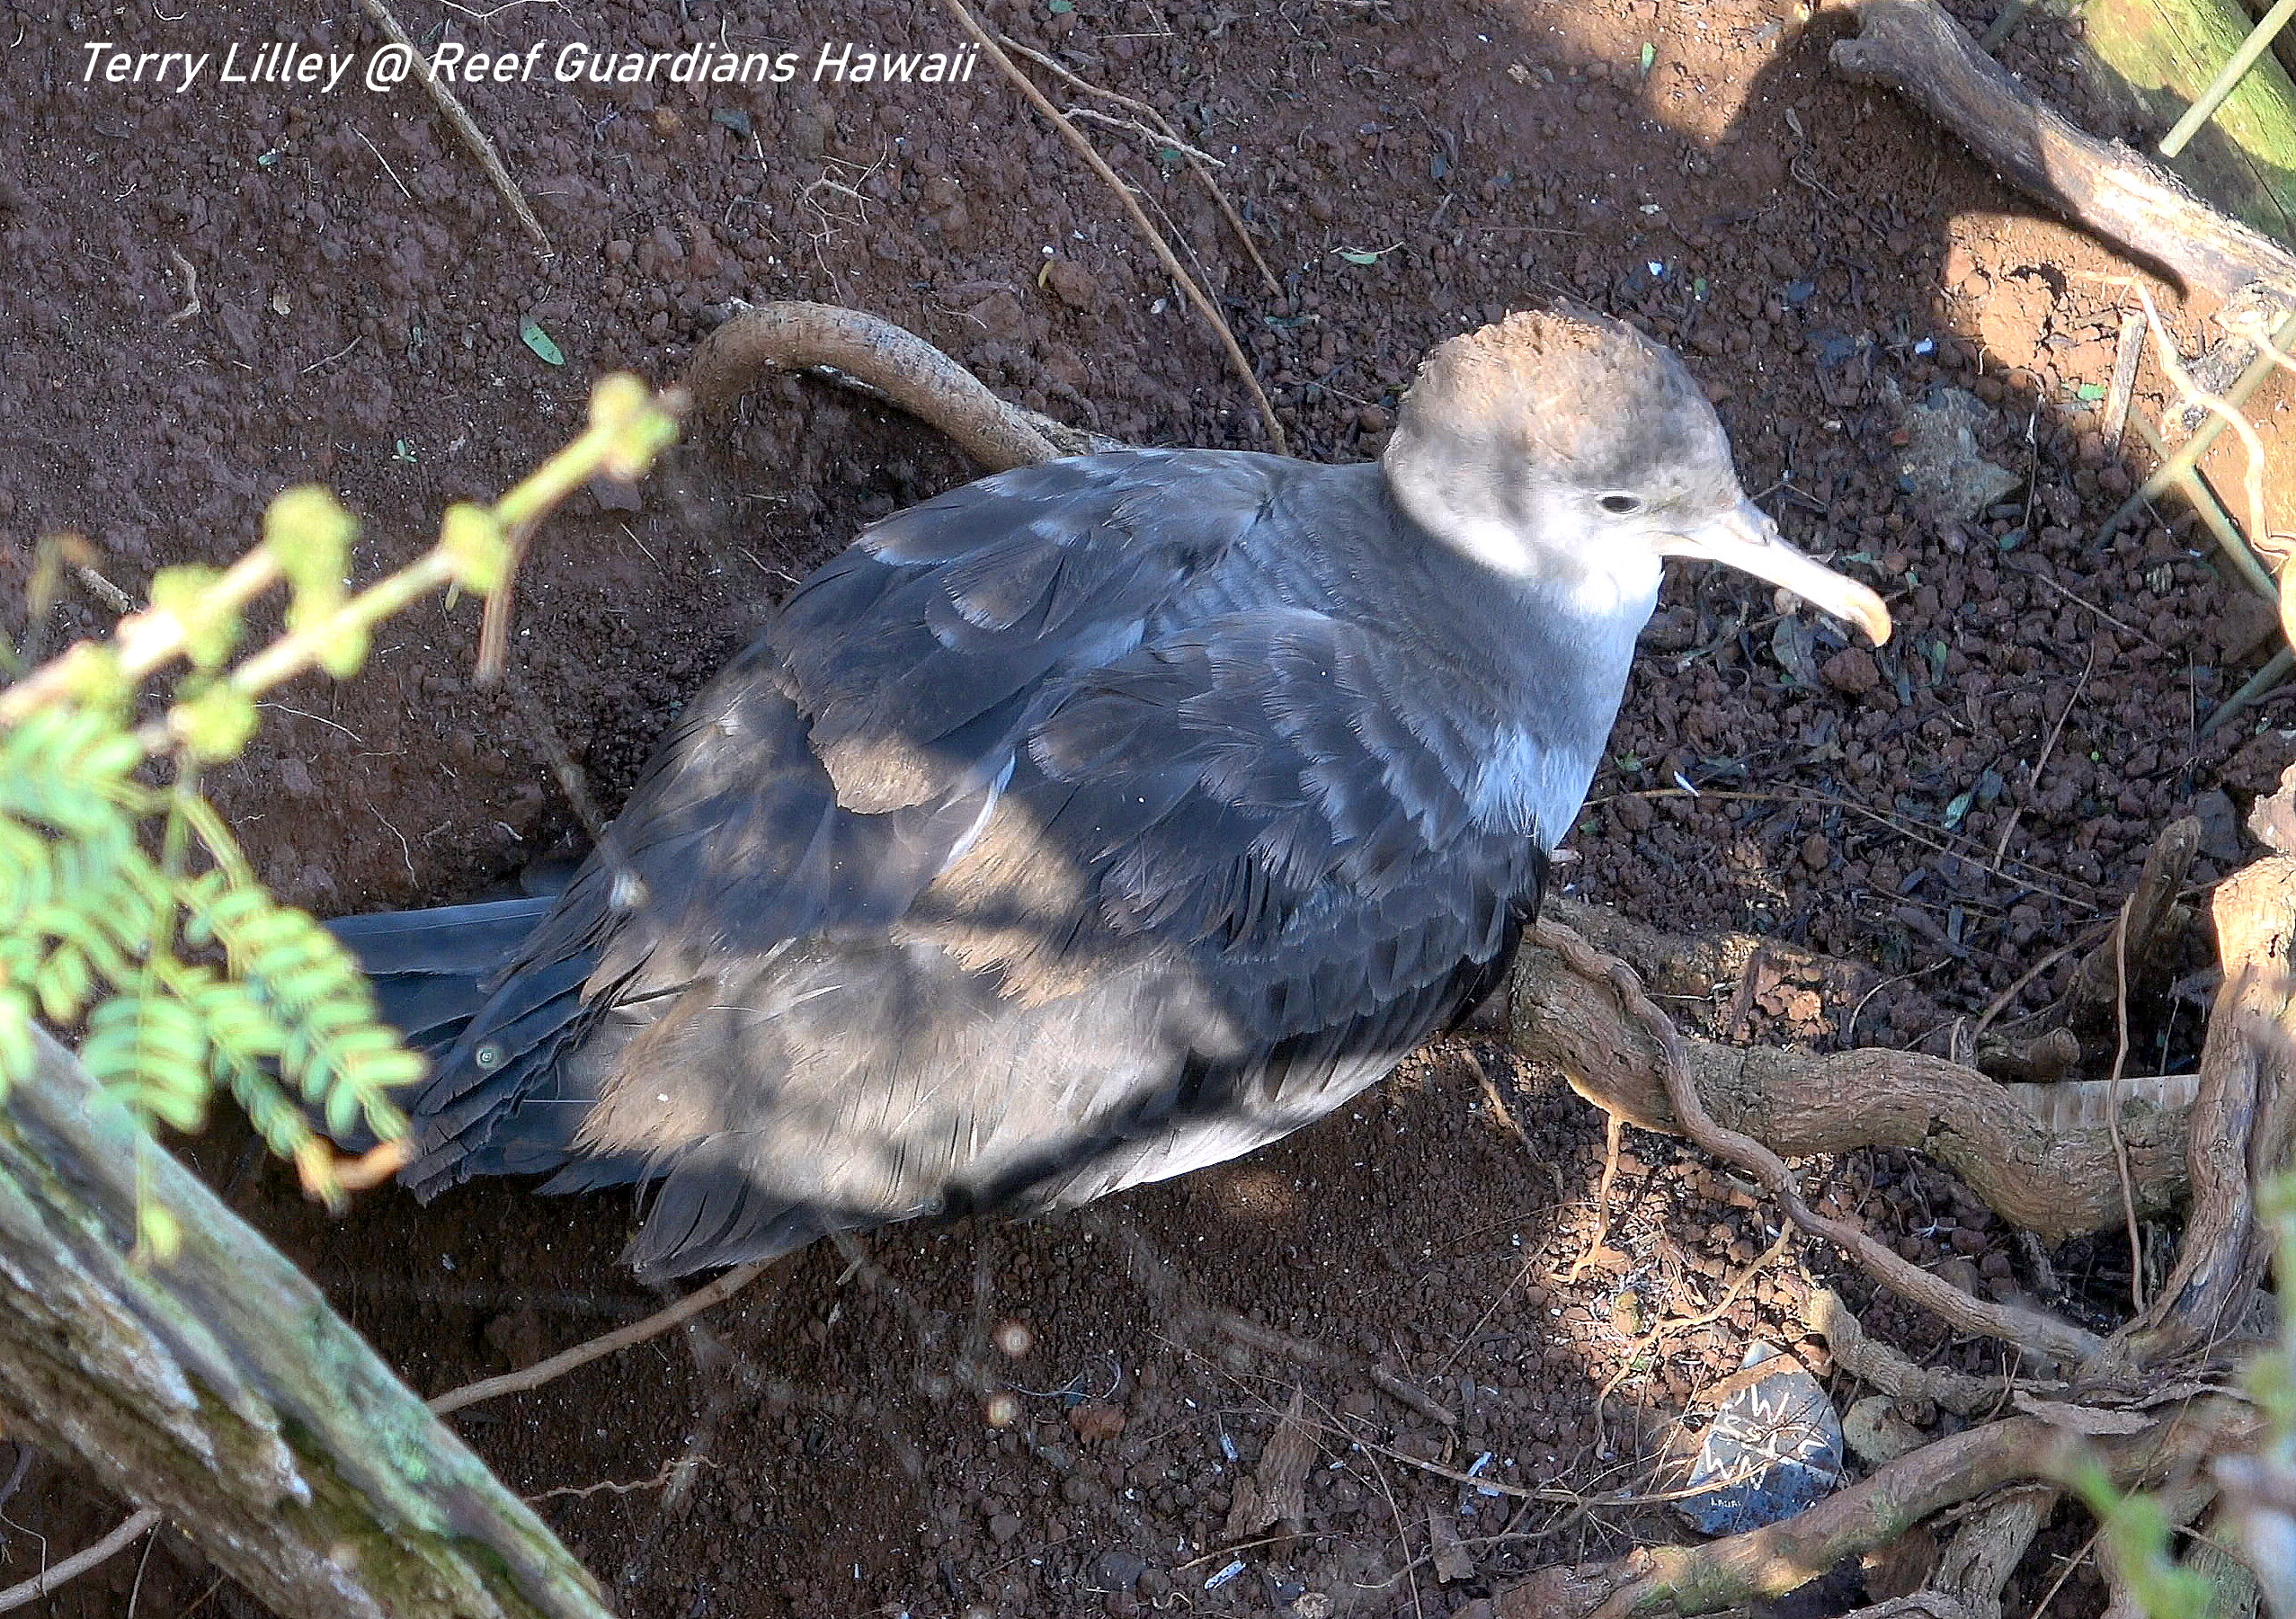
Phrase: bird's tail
(432, 969)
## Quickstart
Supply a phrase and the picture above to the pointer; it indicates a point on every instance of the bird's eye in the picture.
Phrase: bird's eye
(1620, 505)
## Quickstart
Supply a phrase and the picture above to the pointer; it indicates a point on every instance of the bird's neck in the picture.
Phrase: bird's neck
(1535, 660)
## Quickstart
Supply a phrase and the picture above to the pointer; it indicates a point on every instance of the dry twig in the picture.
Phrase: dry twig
(465, 125)
(557, 1365)
(53, 1578)
(1196, 160)
(1195, 294)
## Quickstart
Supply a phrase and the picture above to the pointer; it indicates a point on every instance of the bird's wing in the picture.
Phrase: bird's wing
(829, 772)
(1234, 876)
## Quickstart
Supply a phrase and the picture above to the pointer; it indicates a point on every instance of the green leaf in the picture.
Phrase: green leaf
(476, 545)
(531, 334)
(1957, 809)
(210, 625)
(1059, 7)
(309, 534)
(1649, 56)
(217, 723)
(158, 1232)
(2091, 391)
(345, 651)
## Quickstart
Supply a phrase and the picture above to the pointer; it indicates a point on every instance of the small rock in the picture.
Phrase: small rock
(1073, 284)
(1096, 1422)
(1961, 1273)
(1874, 1429)
(1118, 1569)
(1815, 850)
(1851, 670)
(1003, 1527)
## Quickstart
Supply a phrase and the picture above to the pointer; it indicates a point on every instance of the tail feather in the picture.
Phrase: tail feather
(434, 973)
(451, 940)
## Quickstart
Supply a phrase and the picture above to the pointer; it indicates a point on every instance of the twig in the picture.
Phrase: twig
(1154, 138)
(2002, 1003)
(2064, 1574)
(473, 137)
(2112, 1110)
(1164, 124)
(103, 589)
(583, 1492)
(386, 162)
(1413, 1397)
(597, 1348)
(1613, 1136)
(1172, 266)
(2039, 1332)
(2258, 687)
(1689, 1323)
(2083, 602)
(2123, 391)
(48, 1580)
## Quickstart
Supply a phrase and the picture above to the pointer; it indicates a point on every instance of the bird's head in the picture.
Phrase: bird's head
(1569, 449)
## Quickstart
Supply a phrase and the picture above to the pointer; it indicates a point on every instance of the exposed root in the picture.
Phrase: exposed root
(1988, 1545)
(1771, 1561)
(2241, 1119)
(2040, 1333)
(2052, 1171)
(1872, 1361)
(894, 363)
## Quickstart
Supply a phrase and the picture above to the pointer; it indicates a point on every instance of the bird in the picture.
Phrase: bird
(1091, 823)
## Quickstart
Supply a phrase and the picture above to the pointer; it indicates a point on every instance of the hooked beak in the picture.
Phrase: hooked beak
(1744, 538)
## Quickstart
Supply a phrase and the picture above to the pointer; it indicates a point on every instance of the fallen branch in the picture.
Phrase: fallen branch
(219, 1390)
(1914, 47)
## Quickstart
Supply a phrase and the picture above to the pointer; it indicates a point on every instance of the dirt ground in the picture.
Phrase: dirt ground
(214, 293)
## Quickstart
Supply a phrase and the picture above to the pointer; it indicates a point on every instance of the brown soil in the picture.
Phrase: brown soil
(1823, 257)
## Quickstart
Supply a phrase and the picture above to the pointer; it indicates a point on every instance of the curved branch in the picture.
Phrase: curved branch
(795, 336)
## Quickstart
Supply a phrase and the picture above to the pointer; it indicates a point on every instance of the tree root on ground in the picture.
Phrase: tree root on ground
(2040, 1156)
(757, 341)
(1771, 1561)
